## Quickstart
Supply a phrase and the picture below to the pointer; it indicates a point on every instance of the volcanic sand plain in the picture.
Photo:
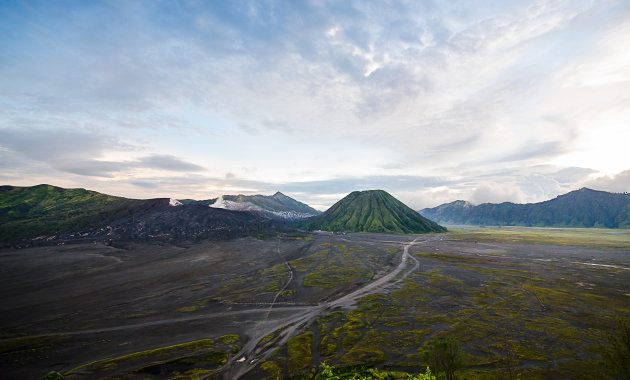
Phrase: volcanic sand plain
(538, 302)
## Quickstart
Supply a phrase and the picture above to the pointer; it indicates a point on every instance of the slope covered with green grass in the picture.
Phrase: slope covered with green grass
(372, 211)
(47, 210)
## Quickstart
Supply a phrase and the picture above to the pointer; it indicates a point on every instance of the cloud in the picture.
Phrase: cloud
(429, 100)
(89, 168)
(536, 150)
(145, 184)
(166, 162)
(98, 168)
(618, 183)
(81, 153)
(51, 145)
(497, 193)
(349, 184)
(573, 175)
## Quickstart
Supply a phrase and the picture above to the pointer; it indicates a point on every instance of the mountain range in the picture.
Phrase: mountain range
(580, 208)
(277, 206)
(51, 213)
(372, 211)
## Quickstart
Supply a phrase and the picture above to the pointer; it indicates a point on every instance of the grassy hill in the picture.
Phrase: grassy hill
(48, 210)
(580, 208)
(372, 211)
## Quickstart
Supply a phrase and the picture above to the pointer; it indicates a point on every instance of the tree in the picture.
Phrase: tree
(616, 357)
(507, 363)
(329, 373)
(444, 355)
(508, 360)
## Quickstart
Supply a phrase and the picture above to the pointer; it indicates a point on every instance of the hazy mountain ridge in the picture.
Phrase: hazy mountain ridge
(50, 213)
(580, 208)
(372, 211)
(204, 202)
(278, 206)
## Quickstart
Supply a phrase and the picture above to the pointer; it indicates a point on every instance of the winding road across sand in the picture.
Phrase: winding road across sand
(286, 285)
(249, 356)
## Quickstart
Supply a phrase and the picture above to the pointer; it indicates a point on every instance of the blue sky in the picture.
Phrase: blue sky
(431, 101)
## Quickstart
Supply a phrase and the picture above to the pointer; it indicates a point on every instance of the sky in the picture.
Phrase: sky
(432, 101)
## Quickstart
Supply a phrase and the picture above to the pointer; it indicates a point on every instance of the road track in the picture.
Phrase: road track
(251, 355)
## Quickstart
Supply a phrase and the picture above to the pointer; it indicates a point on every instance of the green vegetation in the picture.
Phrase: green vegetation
(228, 339)
(329, 266)
(142, 315)
(30, 343)
(581, 208)
(250, 288)
(53, 375)
(187, 309)
(592, 237)
(338, 266)
(196, 345)
(182, 361)
(616, 356)
(330, 373)
(372, 211)
(299, 350)
(476, 316)
(193, 374)
(444, 355)
(27, 212)
(272, 368)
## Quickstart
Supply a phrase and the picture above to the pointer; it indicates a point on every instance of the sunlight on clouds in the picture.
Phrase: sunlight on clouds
(484, 97)
(593, 96)
(607, 65)
(603, 145)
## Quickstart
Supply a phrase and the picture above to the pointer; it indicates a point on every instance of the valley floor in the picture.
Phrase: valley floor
(519, 300)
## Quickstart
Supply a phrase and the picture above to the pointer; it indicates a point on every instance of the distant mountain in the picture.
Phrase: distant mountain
(277, 206)
(205, 202)
(580, 208)
(372, 211)
(39, 212)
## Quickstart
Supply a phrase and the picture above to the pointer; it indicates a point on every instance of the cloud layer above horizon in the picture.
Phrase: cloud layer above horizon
(431, 101)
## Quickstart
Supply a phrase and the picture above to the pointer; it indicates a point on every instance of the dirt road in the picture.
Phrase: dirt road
(251, 355)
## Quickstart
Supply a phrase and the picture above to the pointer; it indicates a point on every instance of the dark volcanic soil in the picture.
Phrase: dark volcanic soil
(65, 306)
(106, 301)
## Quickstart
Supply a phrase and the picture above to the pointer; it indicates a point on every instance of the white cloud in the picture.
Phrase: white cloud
(618, 183)
(318, 93)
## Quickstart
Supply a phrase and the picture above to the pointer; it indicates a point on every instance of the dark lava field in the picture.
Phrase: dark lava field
(541, 305)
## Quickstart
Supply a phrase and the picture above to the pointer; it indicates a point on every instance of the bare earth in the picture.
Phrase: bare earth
(80, 309)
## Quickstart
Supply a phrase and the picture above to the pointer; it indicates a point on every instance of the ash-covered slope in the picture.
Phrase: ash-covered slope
(372, 211)
(277, 206)
(580, 208)
(189, 222)
(49, 213)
